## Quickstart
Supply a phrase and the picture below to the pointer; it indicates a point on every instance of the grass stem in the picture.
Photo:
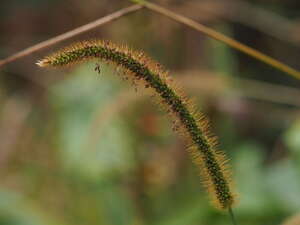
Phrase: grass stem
(223, 38)
(232, 216)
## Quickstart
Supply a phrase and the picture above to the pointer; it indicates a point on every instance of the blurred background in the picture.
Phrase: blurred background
(77, 147)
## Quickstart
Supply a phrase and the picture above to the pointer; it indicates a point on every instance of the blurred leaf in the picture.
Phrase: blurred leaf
(292, 138)
(253, 198)
(283, 181)
(192, 213)
(15, 210)
(76, 100)
(223, 58)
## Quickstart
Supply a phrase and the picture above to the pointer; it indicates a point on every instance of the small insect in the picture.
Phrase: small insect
(97, 68)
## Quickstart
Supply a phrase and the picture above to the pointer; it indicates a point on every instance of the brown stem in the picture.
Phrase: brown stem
(223, 38)
(72, 33)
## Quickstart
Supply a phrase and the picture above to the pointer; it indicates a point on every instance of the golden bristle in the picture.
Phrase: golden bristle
(195, 128)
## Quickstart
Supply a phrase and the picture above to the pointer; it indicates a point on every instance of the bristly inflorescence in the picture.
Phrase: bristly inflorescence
(193, 125)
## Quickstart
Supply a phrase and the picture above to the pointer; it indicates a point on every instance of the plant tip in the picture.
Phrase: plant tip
(42, 63)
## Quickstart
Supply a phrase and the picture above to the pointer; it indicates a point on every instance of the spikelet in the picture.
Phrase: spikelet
(187, 121)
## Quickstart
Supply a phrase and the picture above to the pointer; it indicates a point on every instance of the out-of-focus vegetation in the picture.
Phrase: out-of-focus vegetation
(77, 147)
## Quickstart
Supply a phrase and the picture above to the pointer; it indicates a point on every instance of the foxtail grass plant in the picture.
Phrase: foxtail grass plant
(191, 124)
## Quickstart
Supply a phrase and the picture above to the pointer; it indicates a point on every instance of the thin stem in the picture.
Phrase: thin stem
(72, 33)
(239, 11)
(232, 216)
(223, 38)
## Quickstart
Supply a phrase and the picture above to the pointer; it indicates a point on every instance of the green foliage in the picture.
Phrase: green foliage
(77, 112)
